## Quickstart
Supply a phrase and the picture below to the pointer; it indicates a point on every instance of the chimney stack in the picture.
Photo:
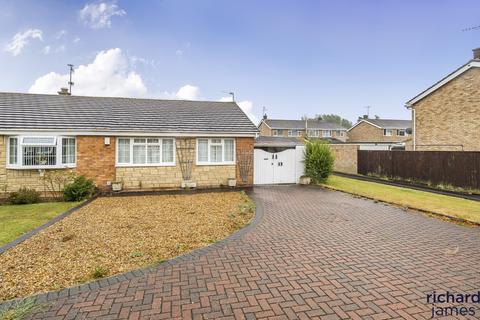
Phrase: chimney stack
(476, 53)
(64, 92)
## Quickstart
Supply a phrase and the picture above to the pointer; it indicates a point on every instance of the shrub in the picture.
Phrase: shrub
(318, 161)
(24, 196)
(81, 188)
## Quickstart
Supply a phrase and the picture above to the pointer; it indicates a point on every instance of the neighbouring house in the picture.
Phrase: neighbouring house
(446, 116)
(329, 131)
(135, 143)
(380, 133)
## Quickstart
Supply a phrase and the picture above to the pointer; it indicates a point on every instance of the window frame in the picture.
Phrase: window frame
(290, 133)
(57, 144)
(325, 135)
(209, 162)
(405, 134)
(388, 130)
(132, 143)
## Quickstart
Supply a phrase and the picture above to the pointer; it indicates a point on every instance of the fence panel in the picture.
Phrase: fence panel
(456, 168)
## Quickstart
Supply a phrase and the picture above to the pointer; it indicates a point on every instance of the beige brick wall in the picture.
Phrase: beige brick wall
(365, 132)
(346, 159)
(449, 118)
(12, 180)
(266, 131)
(171, 177)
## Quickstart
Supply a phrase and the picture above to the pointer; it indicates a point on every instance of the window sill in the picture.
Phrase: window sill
(10, 167)
(215, 163)
(120, 165)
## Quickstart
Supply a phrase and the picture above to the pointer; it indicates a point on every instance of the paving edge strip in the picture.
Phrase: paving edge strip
(441, 216)
(47, 224)
(46, 297)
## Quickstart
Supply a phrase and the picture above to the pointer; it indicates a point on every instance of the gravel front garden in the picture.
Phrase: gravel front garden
(116, 234)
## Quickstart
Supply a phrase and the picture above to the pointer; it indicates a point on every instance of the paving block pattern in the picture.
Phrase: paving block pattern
(314, 254)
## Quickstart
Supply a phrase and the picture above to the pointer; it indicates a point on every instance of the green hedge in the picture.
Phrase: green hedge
(318, 161)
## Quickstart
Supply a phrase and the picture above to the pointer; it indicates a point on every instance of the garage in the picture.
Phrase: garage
(278, 160)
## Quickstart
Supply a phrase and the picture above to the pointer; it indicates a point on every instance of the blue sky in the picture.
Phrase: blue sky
(293, 57)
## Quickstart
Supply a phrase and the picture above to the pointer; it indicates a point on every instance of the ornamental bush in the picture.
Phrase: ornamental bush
(318, 161)
(24, 196)
(81, 188)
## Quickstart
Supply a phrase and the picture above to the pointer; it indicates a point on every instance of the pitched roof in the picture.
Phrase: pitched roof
(474, 63)
(21, 111)
(386, 123)
(300, 124)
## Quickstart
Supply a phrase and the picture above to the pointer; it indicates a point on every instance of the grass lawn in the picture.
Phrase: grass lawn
(16, 220)
(112, 235)
(445, 205)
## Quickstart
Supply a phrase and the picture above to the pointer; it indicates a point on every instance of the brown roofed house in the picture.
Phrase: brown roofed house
(446, 116)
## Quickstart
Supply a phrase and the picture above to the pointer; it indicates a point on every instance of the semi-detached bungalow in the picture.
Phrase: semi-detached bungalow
(134, 143)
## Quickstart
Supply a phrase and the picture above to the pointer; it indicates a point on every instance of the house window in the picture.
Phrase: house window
(387, 132)
(145, 152)
(401, 132)
(32, 152)
(327, 133)
(299, 133)
(215, 151)
(313, 133)
(341, 133)
(277, 132)
(290, 133)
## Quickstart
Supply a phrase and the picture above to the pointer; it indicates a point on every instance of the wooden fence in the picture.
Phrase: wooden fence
(456, 168)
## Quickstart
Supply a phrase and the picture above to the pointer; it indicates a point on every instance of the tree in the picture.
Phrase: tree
(335, 119)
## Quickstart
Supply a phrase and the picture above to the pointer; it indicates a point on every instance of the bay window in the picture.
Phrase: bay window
(211, 151)
(38, 152)
(145, 152)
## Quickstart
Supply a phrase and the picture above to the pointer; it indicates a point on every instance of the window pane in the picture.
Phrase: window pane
(49, 141)
(229, 150)
(13, 151)
(39, 156)
(215, 153)
(139, 154)
(216, 140)
(202, 150)
(167, 150)
(153, 154)
(68, 150)
(138, 140)
(152, 140)
(123, 150)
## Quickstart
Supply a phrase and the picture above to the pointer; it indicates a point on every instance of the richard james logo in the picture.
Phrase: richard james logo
(453, 304)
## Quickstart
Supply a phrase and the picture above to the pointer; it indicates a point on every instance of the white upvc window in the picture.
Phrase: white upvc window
(401, 132)
(277, 132)
(290, 133)
(141, 152)
(313, 133)
(215, 151)
(41, 152)
(327, 133)
(388, 132)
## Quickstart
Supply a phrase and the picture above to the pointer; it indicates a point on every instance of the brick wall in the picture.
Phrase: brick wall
(265, 130)
(346, 159)
(449, 118)
(95, 160)
(365, 132)
(244, 152)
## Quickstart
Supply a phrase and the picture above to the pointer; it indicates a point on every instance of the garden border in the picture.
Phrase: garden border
(47, 224)
(43, 298)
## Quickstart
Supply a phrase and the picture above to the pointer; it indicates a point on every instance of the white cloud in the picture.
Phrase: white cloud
(110, 74)
(99, 15)
(76, 40)
(61, 34)
(179, 52)
(246, 106)
(21, 39)
(188, 92)
(46, 50)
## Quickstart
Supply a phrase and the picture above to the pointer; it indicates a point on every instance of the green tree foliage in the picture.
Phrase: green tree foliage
(335, 119)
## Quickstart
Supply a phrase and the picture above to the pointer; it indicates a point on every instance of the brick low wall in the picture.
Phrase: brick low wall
(345, 158)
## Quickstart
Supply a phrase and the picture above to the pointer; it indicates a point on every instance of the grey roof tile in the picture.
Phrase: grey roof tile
(56, 112)
(300, 124)
(391, 123)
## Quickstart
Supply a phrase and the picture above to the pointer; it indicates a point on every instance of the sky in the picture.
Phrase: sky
(292, 57)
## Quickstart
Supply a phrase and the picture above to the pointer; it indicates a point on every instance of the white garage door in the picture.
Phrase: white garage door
(275, 167)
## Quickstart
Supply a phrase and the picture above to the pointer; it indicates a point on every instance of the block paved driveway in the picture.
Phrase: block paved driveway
(313, 254)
